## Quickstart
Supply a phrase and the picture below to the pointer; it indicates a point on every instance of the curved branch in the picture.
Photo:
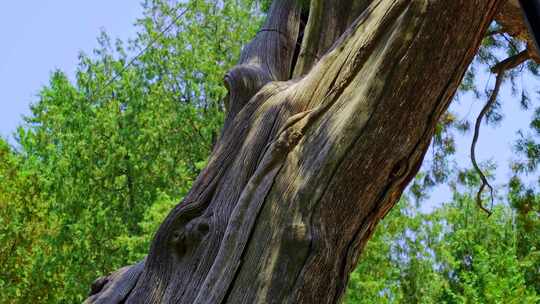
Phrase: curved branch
(484, 111)
(499, 69)
(268, 57)
(511, 62)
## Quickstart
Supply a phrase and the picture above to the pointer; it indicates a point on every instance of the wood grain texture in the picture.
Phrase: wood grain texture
(306, 167)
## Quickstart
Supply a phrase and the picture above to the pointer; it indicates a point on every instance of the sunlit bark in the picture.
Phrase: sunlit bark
(321, 137)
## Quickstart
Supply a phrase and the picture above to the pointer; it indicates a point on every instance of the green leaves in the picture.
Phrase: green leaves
(453, 255)
(101, 161)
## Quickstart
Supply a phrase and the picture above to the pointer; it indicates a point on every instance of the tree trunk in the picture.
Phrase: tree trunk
(326, 125)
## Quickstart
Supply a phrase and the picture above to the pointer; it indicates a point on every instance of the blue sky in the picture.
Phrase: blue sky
(496, 143)
(40, 36)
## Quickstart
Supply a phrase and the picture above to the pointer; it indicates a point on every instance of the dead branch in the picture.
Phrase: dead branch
(499, 69)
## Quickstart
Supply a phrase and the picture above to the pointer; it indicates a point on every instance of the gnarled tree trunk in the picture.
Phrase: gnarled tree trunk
(326, 125)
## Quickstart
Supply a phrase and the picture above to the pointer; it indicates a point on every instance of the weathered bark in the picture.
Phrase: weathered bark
(306, 167)
(510, 18)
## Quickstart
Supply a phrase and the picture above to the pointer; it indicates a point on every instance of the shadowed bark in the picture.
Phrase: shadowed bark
(306, 167)
(510, 18)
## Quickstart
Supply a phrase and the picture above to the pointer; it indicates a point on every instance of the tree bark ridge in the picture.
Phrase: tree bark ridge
(305, 168)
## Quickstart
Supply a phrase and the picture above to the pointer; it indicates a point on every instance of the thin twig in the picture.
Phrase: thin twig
(500, 69)
(511, 62)
(484, 111)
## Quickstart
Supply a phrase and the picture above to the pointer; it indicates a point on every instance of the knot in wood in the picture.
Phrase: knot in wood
(287, 141)
(281, 146)
(190, 235)
(294, 138)
(98, 285)
(297, 235)
(400, 168)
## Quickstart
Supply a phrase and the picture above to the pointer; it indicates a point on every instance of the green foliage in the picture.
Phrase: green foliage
(101, 160)
(24, 226)
(454, 254)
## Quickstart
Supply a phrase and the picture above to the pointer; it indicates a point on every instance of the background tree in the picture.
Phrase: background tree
(101, 161)
(454, 254)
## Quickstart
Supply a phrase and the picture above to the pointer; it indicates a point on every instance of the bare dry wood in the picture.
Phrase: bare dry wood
(510, 18)
(499, 69)
(306, 166)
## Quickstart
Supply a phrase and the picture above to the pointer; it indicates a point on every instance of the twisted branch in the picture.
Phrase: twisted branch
(499, 69)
